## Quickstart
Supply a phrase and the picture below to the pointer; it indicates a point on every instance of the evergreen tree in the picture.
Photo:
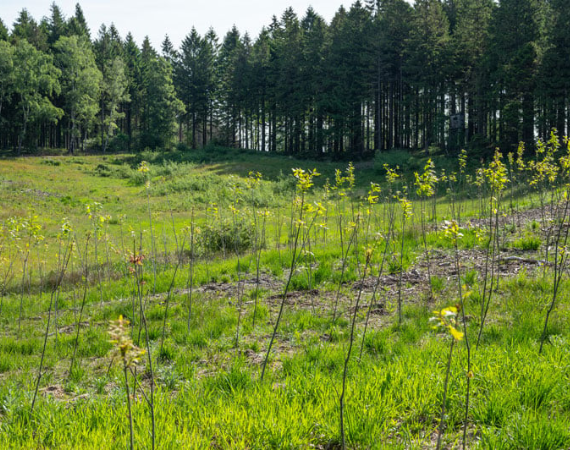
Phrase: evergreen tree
(194, 78)
(513, 60)
(77, 24)
(113, 94)
(382, 75)
(350, 68)
(427, 65)
(392, 109)
(555, 71)
(56, 25)
(107, 46)
(6, 85)
(108, 49)
(26, 28)
(358, 33)
(288, 92)
(228, 97)
(161, 107)
(81, 81)
(132, 58)
(243, 87)
(260, 68)
(35, 79)
(312, 71)
(469, 43)
(168, 52)
(207, 63)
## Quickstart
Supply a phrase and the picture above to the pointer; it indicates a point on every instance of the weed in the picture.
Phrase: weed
(529, 242)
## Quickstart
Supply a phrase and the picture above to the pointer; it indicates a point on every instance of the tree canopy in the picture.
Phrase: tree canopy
(382, 74)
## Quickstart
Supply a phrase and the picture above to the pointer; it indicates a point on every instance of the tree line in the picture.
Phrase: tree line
(382, 74)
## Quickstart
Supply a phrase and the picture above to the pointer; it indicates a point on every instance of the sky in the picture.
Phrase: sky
(173, 17)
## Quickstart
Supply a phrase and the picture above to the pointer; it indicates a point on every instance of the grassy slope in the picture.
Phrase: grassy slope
(208, 393)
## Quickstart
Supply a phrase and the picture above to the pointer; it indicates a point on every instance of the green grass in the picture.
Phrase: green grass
(208, 391)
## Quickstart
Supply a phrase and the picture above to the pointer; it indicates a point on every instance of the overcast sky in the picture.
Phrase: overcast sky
(156, 18)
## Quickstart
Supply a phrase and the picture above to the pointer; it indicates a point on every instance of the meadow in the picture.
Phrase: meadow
(225, 299)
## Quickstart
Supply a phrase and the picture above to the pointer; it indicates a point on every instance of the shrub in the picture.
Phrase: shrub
(103, 170)
(226, 235)
(50, 162)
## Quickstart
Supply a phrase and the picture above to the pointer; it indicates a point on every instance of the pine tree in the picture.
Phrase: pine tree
(6, 85)
(81, 81)
(555, 71)
(314, 48)
(427, 64)
(168, 52)
(26, 28)
(161, 108)
(108, 50)
(350, 65)
(134, 73)
(35, 79)
(513, 60)
(194, 70)
(77, 25)
(113, 93)
(56, 25)
(228, 96)
(392, 108)
(288, 40)
(260, 66)
(469, 43)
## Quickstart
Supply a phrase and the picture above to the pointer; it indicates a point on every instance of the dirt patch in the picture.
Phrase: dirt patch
(518, 218)
(56, 391)
(71, 328)
(265, 282)
(39, 193)
(412, 277)
(253, 357)
(376, 309)
(508, 263)
(292, 296)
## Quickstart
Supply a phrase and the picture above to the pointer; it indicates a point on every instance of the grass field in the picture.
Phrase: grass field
(266, 307)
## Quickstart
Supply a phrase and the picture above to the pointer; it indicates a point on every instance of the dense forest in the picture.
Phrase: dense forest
(382, 74)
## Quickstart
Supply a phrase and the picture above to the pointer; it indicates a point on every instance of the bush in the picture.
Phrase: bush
(226, 235)
(103, 170)
(50, 162)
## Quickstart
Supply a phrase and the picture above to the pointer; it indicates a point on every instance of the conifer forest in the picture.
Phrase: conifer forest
(383, 74)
